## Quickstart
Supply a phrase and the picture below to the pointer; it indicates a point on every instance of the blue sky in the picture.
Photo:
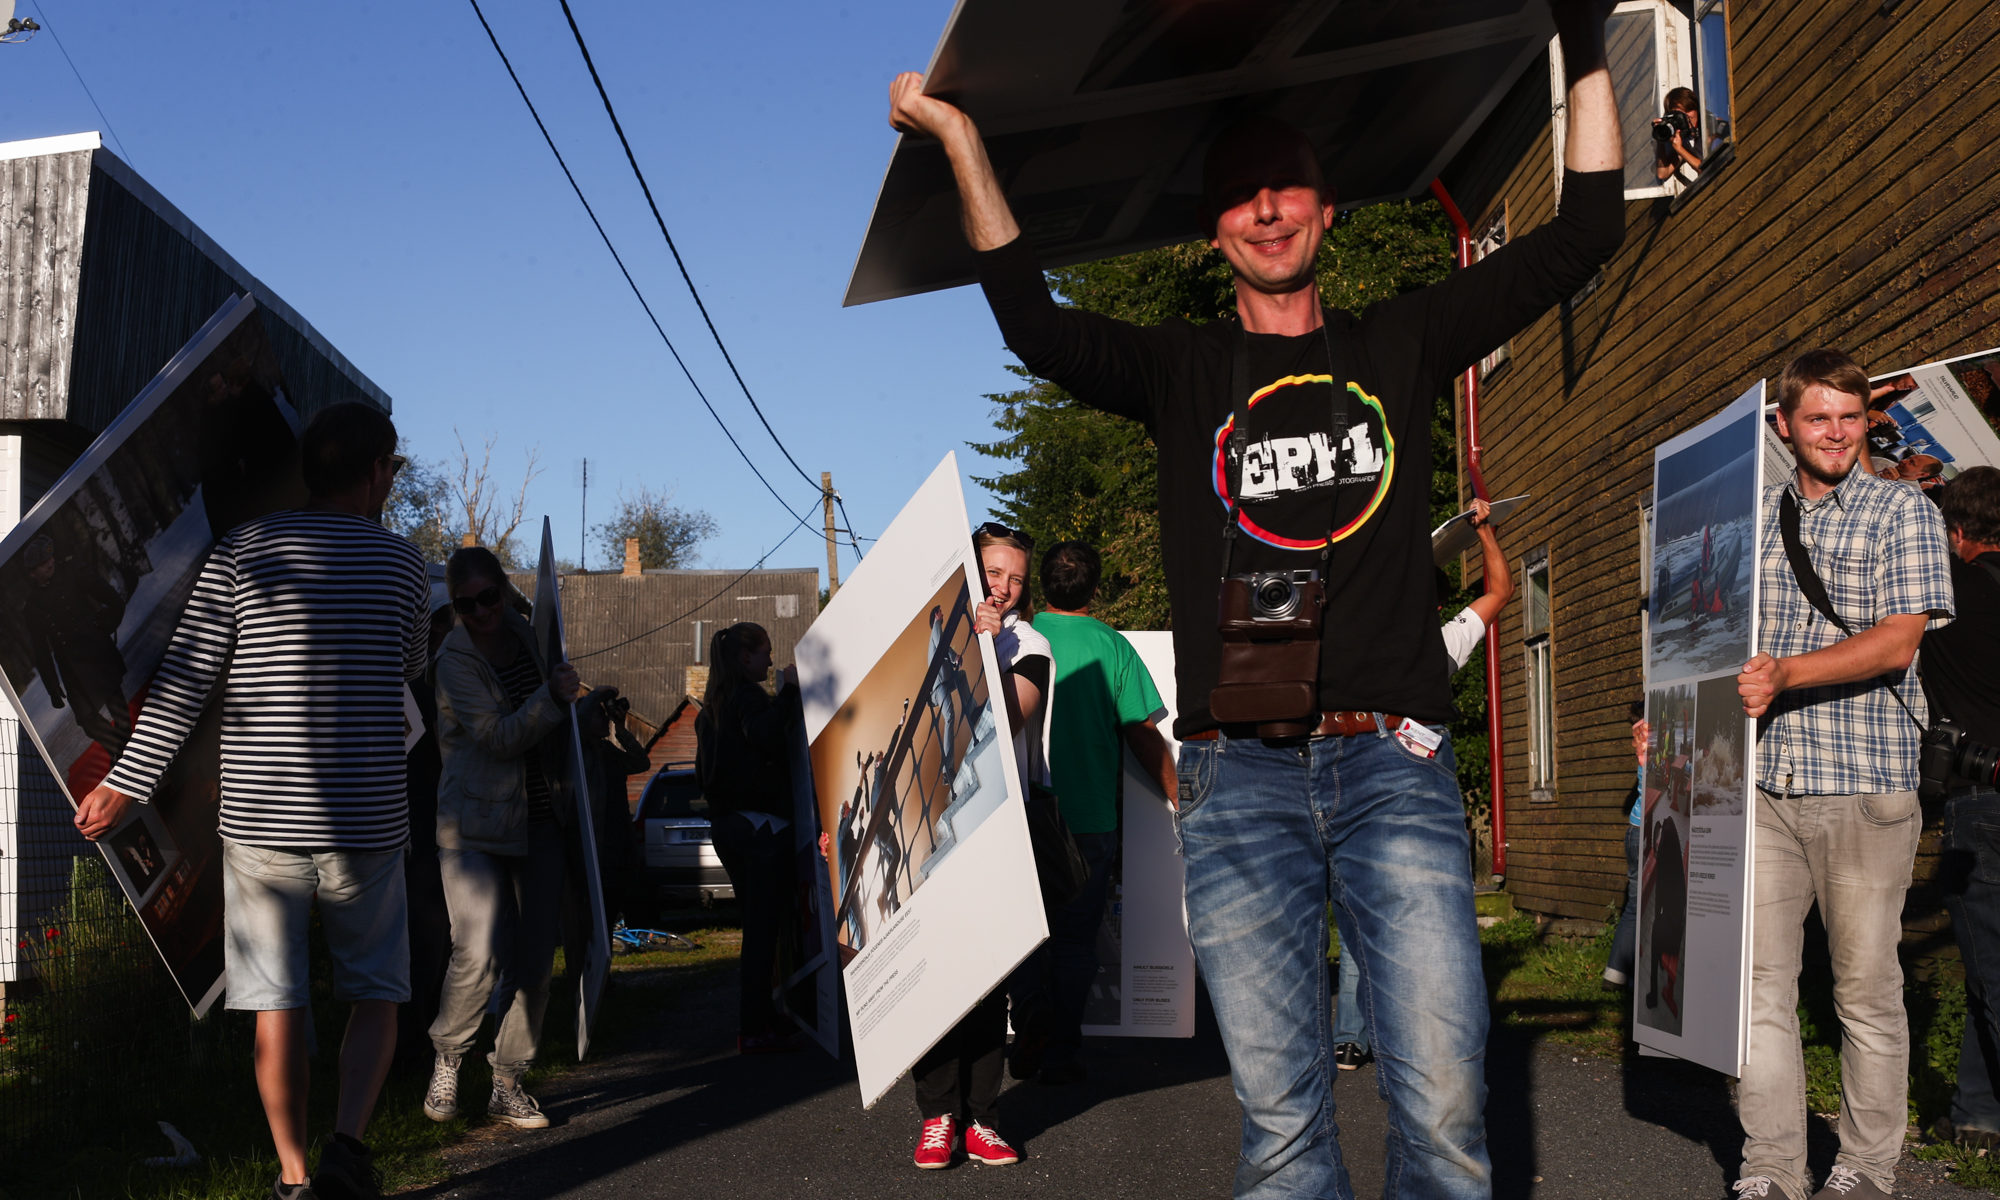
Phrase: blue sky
(372, 164)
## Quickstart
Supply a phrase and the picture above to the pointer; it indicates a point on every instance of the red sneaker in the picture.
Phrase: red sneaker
(934, 1146)
(984, 1145)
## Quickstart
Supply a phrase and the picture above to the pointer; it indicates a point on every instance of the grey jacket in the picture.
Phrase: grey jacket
(485, 742)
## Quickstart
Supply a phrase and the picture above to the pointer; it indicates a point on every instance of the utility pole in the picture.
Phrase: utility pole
(583, 522)
(832, 547)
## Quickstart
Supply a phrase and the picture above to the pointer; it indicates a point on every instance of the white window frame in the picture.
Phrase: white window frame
(1538, 657)
(1490, 235)
(1674, 58)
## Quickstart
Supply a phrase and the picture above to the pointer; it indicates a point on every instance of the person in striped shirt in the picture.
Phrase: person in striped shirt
(309, 621)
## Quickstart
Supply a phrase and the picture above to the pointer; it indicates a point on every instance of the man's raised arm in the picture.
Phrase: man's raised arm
(989, 223)
(1591, 140)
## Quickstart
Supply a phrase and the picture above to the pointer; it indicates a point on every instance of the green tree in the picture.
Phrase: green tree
(1078, 473)
(419, 507)
(667, 534)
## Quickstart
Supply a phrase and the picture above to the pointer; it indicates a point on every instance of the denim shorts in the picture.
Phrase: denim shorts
(267, 898)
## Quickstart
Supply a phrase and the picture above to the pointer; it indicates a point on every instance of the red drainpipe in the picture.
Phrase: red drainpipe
(1463, 233)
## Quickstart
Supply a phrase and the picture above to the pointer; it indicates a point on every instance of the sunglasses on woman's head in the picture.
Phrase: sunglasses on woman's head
(467, 605)
(997, 530)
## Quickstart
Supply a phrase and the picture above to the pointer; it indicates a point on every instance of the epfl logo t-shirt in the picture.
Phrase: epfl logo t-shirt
(1291, 460)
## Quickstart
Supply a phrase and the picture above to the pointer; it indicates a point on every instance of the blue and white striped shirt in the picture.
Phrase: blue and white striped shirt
(1881, 550)
(313, 620)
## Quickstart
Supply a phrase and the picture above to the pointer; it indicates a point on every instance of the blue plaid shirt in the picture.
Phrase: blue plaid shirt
(1881, 550)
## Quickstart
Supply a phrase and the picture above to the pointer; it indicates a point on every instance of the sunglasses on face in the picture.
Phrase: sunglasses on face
(997, 530)
(396, 464)
(467, 605)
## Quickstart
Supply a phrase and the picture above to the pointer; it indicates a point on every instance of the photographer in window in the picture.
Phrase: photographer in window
(1961, 668)
(1677, 138)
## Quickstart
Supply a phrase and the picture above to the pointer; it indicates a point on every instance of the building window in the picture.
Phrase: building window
(1490, 236)
(1713, 79)
(1535, 632)
(1648, 47)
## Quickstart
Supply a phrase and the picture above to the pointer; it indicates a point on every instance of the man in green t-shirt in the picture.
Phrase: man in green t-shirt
(1105, 701)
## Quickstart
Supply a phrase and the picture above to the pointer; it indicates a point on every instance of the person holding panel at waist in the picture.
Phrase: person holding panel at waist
(1296, 440)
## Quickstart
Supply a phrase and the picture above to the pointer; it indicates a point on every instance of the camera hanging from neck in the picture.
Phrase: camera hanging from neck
(1271, 622)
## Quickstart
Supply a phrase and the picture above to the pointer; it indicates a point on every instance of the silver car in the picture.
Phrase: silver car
(672, 828)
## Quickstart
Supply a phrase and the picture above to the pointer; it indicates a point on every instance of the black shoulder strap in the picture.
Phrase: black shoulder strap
(1239, 440)
(1810, 584)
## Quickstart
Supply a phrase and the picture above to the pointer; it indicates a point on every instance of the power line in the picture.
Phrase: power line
(719, 593)
(43, 8)
(674, 250)
(615, 257)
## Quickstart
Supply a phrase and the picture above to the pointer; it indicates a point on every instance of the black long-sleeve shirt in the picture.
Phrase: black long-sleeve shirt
(1380, 651)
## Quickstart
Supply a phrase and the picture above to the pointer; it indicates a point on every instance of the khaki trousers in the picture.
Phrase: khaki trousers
(1853, 855)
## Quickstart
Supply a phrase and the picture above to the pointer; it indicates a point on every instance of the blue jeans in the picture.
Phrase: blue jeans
(1625, 942)
(1971, 872)
(1273, 833)
(1349, 1024)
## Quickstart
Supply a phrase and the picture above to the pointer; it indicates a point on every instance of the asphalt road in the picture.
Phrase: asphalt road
(671, 1111)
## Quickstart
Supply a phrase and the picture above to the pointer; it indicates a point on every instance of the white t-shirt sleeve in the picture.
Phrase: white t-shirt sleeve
(1462, 635)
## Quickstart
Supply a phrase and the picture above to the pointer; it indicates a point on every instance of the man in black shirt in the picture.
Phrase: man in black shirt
(1961, 672)
(1364, 814)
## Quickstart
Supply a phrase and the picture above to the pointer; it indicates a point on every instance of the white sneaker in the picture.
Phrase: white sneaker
(514, 1106)
(441, 1098)
(1753, 1186)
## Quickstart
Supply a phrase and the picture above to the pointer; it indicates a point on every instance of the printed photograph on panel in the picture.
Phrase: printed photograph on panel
(1721, 766)
(1661, 984)
(908, 767)
(1705, 505)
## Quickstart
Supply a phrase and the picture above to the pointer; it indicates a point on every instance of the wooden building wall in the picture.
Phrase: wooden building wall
(1861, 211)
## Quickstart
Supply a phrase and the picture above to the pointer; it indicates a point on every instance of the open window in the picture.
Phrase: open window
(1649, 47)
(1540, 662)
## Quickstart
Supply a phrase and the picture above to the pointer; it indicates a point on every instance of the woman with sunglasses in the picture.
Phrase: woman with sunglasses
(959, 1078)
(500, 842)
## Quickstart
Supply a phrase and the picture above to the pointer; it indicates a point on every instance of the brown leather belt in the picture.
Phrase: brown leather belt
(1332, 724)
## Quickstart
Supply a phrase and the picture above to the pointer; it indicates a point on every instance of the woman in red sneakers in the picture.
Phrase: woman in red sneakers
(958, 1080)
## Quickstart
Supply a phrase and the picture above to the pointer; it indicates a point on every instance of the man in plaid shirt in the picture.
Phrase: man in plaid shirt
(1837, 817)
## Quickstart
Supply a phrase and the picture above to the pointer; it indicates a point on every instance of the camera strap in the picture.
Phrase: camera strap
(1239, 442)
(1814, 588)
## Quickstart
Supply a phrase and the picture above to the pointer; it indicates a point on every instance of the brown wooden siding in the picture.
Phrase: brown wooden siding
(1863, 211)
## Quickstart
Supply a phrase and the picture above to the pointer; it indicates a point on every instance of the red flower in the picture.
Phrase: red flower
(53, 933)
(12, 1017)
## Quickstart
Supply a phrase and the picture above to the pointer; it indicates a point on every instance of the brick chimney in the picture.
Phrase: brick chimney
(468, 539)
(631, 556)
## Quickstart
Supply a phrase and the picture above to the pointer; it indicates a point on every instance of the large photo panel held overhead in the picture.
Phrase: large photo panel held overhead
(94, 578)
(917, 791)
(1097, 114)
(1697, 816)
